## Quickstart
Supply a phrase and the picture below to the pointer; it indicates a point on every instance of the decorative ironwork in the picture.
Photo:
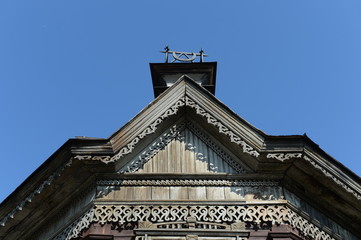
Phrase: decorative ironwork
(183, 56)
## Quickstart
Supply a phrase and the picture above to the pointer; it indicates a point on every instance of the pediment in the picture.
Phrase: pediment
(184, 148)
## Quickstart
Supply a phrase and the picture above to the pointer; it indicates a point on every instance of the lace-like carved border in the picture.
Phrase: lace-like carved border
(257, 214)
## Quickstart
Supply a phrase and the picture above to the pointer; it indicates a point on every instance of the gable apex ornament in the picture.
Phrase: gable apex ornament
(183, 56)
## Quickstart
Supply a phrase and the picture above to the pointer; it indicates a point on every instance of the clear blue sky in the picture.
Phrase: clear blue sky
(80, 68)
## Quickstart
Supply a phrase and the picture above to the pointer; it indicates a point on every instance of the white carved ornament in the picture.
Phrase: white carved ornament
(176, 132)
(333, 177)
(284, 156)
(37, 191)
(255, 214)
(189, 182)
(185, 101)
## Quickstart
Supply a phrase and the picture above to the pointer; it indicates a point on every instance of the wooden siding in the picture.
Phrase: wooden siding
(186, 153)
(192, 193)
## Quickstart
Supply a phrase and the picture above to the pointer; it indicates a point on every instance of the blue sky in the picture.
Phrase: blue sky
(80, 68)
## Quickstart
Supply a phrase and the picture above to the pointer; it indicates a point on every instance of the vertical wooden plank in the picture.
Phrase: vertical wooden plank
(202, 156)
(178, 193)
(143, 193)
(147, 167)
(130, 193)
(177, 156)
(171, 157)
(197, 193)
(215, 193)
(120, 194)
(163, 160)
(160, 193)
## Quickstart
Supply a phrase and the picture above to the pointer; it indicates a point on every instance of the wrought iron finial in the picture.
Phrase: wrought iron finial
(183, 56)
(201, 52)
(166, 53)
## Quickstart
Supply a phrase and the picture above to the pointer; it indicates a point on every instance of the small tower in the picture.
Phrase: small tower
(164, 75)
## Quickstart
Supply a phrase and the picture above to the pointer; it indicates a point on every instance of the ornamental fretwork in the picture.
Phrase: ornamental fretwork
(220, 216)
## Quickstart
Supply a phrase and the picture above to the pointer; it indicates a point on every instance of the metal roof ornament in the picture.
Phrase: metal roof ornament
(183, 56)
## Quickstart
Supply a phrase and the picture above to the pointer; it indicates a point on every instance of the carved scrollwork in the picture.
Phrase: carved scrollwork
(185, 101)
(221, 128)
(177, 132)
(284, 156)
(234, 215)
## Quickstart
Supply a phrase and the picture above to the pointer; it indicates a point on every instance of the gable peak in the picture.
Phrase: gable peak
(164, 75)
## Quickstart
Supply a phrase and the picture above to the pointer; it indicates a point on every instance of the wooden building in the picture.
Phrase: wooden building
(186, 168)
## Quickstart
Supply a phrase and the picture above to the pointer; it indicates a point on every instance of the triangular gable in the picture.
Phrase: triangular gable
(183, 149)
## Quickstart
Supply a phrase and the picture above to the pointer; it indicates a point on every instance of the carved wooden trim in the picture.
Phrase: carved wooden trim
(251, 213)
(189, 182)
(185, 101)
(333, 177)
(236, 166)
(37, 191)
(284, 156)
(175, 132)
(221, 127)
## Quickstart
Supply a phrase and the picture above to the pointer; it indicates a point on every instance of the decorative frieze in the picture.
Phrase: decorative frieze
(284, 156)
(185, 101)
(221, 127)
(37, 191)
(189, 182)
(333, 177)
(254, 214)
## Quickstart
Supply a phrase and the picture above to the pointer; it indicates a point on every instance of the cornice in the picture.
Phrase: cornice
(37, 191)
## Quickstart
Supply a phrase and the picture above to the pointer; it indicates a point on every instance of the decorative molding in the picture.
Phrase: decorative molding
(254, 214)
(74, 230)
(185, 101)
(334, 178)
(222, 154)
(221, 128)
(173, 133)
(37, 191)
(65, 214)
(149, 130)
(189, 182)
(104, 187)
(130, 146)
(284, 156)
(176, 132)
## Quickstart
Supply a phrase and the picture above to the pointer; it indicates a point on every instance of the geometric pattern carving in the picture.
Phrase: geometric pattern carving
(189, 182)
(182, 135)
(250, 213)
